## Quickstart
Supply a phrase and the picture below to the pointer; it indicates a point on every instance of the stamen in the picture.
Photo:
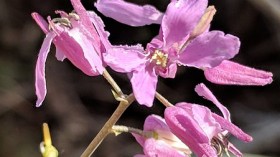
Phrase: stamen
(218, 146)
(221, 145)
(65, 21)
(74, 16)
(160, 58)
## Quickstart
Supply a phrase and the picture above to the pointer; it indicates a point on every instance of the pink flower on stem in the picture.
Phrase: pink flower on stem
(161, 141)
(203, 131)
(183, 39)
(228, 73)
(75, 38)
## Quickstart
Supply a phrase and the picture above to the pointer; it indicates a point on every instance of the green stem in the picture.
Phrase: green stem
(123, 105)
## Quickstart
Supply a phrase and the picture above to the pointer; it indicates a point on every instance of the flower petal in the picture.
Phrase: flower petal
(59, 54)
(185, 127)
(129, 13)
(144, 82)
(234, 150)
(41, 22)
(99, 25)
(155, 122)
(233, 129)
(154, 148)
(180, 19)
(152, 123)
(231, 73)
(203, 91)
(125, 58)
(80, 51)
(40, 80)
(88, 28)
(169, 71)
(209, 50)
(140, 139)
(203, 117)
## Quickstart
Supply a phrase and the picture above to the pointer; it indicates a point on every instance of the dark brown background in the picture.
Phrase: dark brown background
(77, 106)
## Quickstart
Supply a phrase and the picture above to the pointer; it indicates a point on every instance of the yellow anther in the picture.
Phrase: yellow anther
(160, 58)
(46, 147)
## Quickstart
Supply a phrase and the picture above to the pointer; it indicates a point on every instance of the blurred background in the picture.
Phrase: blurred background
(77, 105)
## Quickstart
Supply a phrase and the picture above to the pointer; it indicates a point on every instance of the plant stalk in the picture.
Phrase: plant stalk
(123, 105)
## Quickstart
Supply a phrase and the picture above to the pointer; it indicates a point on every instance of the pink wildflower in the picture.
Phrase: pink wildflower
(203, 131)
(161, 141)
(75, 38)
(184, 39)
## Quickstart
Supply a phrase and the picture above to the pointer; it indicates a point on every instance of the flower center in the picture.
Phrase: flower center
(159, 58)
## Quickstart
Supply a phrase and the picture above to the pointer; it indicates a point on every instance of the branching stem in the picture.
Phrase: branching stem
(123, 105)
(112, 82)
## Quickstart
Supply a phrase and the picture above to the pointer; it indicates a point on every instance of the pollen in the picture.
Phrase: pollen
(159, 58)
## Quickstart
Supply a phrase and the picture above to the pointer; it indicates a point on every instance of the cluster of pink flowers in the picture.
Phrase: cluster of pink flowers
(184, 39)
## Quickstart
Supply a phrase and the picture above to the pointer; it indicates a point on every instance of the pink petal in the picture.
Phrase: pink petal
(89, 29)
(203, 117)
(234, 150)
(125, 58)
(40, 80)
(80, 51)
(129, 13)
(169, 71)
(99, 25)
(180, 19)
(59, 54)
(203, 91)
(144, 82)
(140, 139)
(233, 129)
(41, 22)
(155, 43)
(231, 73)
(209, 50)
(152, 123)
(158, 148)
(155, 122)
(186, 128)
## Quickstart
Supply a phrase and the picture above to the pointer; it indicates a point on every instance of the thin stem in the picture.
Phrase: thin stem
(163, 100)
(123, 105)
(112, 82)
(118, 129)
